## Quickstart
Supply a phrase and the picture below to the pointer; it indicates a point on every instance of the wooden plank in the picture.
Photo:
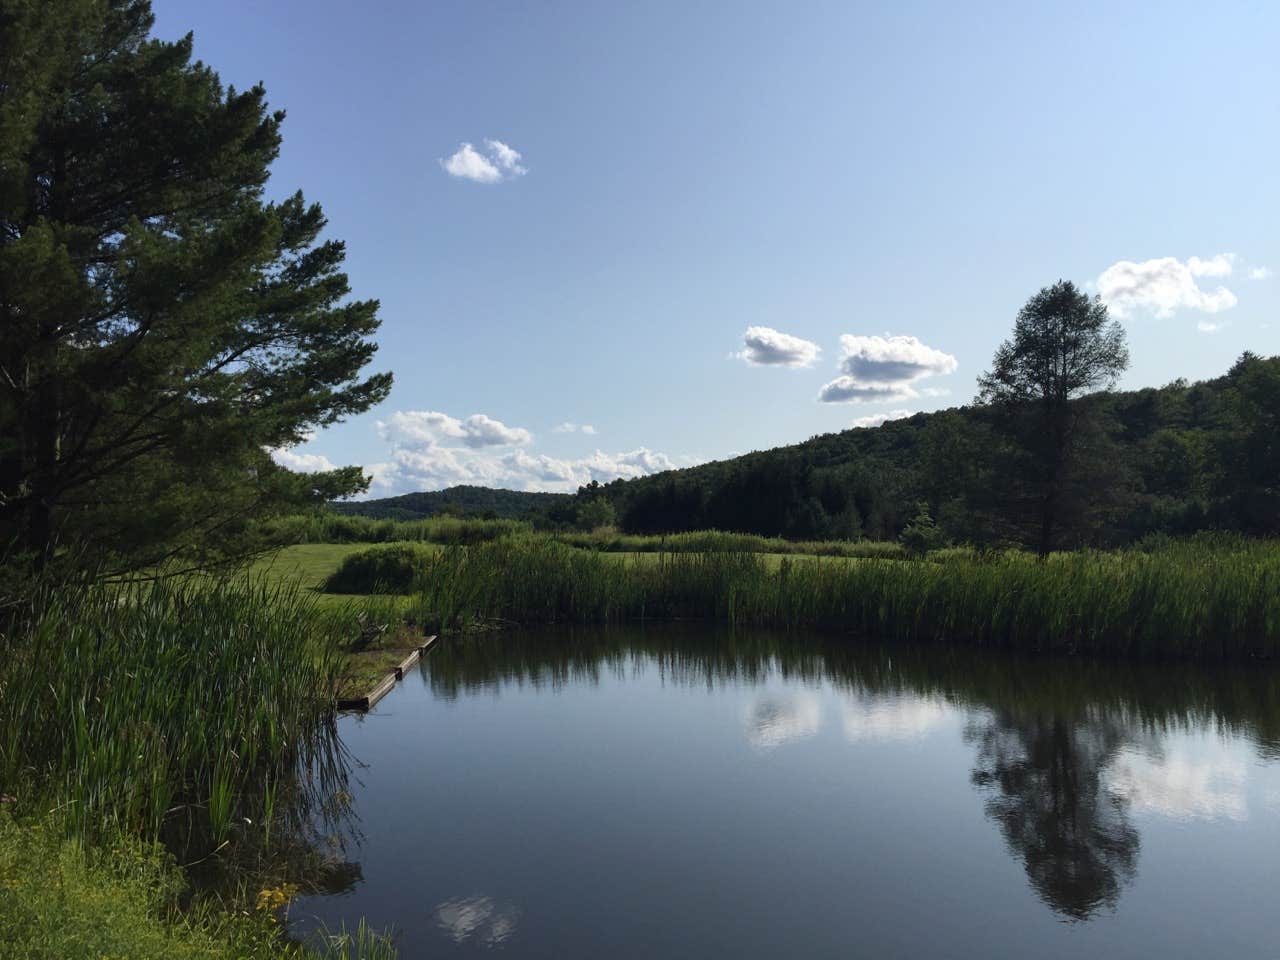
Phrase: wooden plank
(406, 663)
(382, 689)
(365, 703)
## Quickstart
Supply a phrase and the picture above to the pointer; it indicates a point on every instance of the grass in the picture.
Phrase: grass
(1213, 598)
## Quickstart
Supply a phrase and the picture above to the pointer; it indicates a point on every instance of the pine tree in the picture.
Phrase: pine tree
(1064, 346)
(162, 324)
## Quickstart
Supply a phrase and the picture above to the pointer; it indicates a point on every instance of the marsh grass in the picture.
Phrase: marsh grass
(718, 541)
(1214, 598)
(141, 704)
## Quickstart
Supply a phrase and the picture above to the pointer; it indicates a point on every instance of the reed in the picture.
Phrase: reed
(1213, 598)
(140, 704)
(719, 541)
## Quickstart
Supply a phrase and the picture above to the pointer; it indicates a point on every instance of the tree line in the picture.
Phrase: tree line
(1049, 456)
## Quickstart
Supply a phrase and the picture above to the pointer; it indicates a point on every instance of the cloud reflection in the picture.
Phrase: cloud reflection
(775, 720)
(897, 718)
(480, 919)
(1180, 786)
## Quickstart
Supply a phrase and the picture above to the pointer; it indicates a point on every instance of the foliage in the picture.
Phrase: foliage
(329, 527)
(1064, 345)
(1178, 459)
(922, 535)
(470, 501)
(596, 513)
(393, 568)
(163, 325)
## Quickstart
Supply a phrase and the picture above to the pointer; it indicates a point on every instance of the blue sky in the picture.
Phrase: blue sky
(902, 176)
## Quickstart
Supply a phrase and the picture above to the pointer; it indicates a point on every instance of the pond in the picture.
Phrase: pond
(672, 792)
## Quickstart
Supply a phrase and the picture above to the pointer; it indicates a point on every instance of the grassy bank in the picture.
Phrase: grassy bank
(146, 725)
(1215, 598)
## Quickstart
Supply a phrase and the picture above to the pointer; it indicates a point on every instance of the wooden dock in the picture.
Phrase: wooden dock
(385, 685)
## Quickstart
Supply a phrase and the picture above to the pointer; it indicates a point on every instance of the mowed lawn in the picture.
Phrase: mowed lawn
(310, 564)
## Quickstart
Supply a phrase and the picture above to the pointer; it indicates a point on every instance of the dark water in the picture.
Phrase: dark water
(674, 793)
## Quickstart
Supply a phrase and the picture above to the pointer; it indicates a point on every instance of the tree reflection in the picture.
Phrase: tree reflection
(1049, 800)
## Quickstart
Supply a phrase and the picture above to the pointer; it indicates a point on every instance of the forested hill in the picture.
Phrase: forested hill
(473, 501)
(1173, 459)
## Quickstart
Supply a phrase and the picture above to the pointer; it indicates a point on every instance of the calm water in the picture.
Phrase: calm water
(674, 793)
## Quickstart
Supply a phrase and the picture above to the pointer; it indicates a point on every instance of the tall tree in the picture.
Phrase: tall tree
(1063, 347)
(162, 325)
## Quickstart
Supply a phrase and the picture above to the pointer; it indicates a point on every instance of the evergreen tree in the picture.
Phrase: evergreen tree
(162, 325)
(1063, 347)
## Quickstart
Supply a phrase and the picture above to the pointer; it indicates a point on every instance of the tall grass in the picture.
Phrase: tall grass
(718, 541)
(139, 704)
(1204, 598)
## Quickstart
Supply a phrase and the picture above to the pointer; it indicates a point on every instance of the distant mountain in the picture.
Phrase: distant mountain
(511, 504)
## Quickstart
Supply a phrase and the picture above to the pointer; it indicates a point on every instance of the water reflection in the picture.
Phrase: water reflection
(1066, 754)
(774, 720)
(481, 920)
(1179, 784)
(1043, 777)
(893, 718)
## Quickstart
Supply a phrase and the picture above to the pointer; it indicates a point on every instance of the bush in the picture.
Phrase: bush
(395, 568)
(922, 535)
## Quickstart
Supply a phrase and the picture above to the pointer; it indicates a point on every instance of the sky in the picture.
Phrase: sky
(611, 238)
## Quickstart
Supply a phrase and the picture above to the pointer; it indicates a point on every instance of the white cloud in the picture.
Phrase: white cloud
(883, 369)
(431, 426)
(849, 390)
(764, 346)
(1210, 326)
(1261, 273)
(501, 163)
(589, 430)
(876, 419)
(431, 450)
(892, 359)
(505, 157)
(301, 462)
(568, 427)
(1165, 285)
(1216, 266)
(468, 164)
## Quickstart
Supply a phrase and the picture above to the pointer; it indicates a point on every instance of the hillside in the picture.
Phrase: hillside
(1173, 459)
(509, 504)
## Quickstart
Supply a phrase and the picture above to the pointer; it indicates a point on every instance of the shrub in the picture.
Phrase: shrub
(395, 568)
